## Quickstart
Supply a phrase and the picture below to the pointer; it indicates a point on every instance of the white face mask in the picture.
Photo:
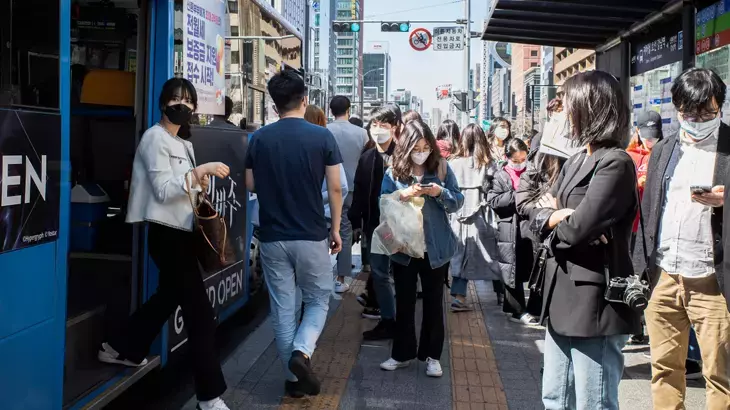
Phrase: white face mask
(380, 135)
(517, 167)
(420, 157)
(699, 131)
(501, 133)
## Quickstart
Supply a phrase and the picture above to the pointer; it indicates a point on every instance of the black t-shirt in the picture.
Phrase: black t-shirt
(288, 159)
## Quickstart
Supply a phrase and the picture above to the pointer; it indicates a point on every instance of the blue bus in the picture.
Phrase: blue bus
(79, 81)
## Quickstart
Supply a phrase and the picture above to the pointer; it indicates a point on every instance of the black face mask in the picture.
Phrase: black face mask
(178, 114)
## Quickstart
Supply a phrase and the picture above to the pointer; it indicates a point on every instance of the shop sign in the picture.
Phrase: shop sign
(30, 163)
(657, 52)
(203, 52)
(712, 27)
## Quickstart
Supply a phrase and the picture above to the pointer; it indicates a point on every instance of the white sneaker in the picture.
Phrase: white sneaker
(433, 368)
(108, 355)
(341, 287)
(392, 364)
(215, 404)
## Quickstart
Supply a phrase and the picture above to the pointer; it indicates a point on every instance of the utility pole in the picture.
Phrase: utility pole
(467, 58)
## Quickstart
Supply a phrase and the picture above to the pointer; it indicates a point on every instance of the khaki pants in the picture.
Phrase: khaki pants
(676, 304)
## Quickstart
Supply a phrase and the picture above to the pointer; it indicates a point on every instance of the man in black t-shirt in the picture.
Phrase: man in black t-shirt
(286, 163)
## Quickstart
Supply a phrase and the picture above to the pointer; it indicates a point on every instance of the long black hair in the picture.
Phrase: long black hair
(474, 144)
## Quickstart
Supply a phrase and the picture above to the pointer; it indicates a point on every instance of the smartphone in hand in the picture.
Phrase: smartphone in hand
(700, 189)
(426, 186)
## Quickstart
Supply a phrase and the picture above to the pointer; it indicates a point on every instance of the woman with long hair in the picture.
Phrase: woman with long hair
(447, 138)
(515, 250)
(476, 250)
(499, 133)
(419, 171)
(315, 115)
(411, 115)
(590, 226)
(164, 179)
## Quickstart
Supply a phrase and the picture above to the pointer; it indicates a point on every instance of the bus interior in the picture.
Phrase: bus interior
(105, 260)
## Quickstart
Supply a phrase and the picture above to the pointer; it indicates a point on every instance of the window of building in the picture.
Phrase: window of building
(533, 53)
(234, 31)
(236, 57)
(533, 65)
(233, 6)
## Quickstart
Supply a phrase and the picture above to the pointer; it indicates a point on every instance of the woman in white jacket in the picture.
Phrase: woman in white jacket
(164, 178)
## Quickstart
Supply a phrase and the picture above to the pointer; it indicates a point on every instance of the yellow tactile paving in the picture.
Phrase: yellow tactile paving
(336, 353)
(475, 380)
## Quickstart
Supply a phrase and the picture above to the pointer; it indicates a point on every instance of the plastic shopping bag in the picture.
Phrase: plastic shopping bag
(401, 227)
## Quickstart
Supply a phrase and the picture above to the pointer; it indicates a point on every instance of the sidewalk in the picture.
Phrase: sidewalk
(488, 363)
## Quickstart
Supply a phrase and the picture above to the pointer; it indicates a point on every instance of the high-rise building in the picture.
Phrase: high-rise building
(294, 11)
(495, 55)
(500, 93)
(436, 118)
(546, 78)
(376, 70)
(532, 102)
(347, 52)
(571, 61)
(524, 58)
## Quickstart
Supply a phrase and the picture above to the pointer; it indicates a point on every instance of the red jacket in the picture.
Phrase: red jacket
(640, 155)
(445, 148)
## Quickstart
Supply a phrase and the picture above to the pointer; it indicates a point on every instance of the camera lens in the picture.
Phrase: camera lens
(635, 298)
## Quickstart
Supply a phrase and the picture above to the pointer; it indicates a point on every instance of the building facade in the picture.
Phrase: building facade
(524, 57)
(532, 99)
(376, 70)
(294, 11)
(436, 118)
(571, 61)
(254, 62)
(346, 48)
(546, 78)
(500, 92)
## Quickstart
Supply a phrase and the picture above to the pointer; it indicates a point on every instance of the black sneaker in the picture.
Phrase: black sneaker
(382, 331)
(371, 313)
(293, 389)
(362, 299)
(300, 365)
(693, 370)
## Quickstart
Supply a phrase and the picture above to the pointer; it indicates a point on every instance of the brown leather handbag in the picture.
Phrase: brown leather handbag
(214, 250)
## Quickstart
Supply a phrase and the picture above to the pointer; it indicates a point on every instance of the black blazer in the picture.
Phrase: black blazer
(602, 191)
(662, 163)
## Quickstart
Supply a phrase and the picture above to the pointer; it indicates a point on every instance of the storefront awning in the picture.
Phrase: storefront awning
(569, 23)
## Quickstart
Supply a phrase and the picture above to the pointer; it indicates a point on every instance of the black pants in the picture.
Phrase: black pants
(516, 304)
(180, 284)
(431, 343)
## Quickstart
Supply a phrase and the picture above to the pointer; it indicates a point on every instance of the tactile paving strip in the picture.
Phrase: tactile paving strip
(336, 353)
(475, 378)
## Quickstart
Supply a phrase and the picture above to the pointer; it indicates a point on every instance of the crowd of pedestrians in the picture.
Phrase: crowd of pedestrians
(599, 244)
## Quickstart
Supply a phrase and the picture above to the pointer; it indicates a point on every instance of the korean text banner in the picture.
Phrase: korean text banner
(203, 52)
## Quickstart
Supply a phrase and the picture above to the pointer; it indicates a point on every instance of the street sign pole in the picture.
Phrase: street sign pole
(467, 57)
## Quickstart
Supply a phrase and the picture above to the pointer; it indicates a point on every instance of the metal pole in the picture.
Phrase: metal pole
(532, 110)
(307, 36)
(467, 57)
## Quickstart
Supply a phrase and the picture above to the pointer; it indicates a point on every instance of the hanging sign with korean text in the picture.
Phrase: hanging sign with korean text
(203, 52)
(448, 38)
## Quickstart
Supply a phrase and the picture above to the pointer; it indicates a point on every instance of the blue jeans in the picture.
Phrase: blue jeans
(344, 258)
(289, 265)
(582, 373)
(380, 271)
(458, 286)
(693, 353)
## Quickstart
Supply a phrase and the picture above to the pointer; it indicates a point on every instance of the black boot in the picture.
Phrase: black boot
(382, 331)
(300, 365)
(293, 389)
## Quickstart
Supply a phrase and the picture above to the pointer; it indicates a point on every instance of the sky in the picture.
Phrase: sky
(423, 71)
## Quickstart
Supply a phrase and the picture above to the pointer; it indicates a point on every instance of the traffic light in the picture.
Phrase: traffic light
(397, 26)
(345, 27)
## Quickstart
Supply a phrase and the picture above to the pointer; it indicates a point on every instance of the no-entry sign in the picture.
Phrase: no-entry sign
(420, 39)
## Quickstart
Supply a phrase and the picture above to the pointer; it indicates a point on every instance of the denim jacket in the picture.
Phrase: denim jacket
(440, 239)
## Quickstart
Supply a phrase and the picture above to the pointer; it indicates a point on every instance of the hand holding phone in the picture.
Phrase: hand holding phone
(700, 189)
(426, 186)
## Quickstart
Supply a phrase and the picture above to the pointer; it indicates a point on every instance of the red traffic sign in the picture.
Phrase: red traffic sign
(420, 39)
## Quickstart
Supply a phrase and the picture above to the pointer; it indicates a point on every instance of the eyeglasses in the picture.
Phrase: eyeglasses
(697, 117)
